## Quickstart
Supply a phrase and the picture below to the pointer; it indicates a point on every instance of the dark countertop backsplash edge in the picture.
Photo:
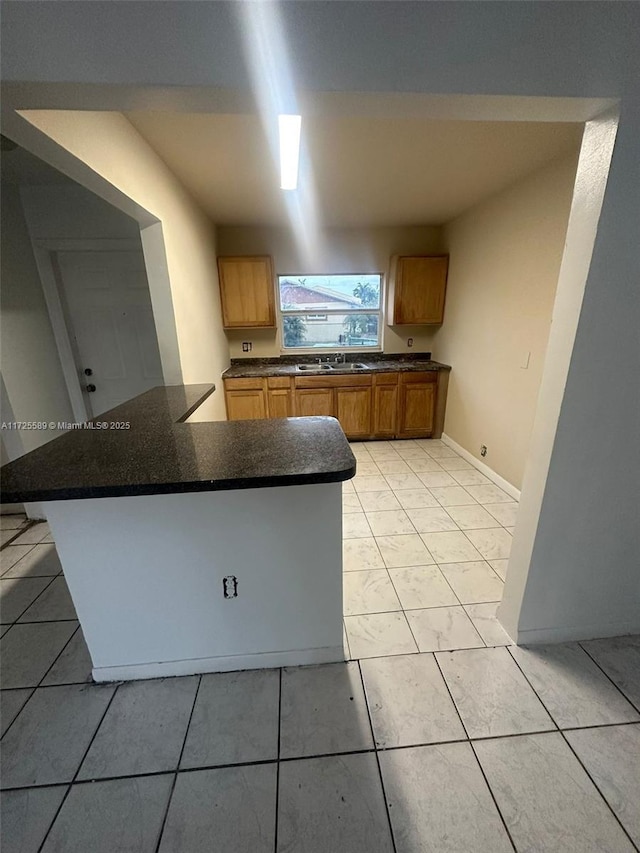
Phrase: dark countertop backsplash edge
(376, 362)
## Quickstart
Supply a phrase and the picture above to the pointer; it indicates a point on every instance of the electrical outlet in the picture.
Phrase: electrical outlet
(247, 346)
(409, 342)
(230, 586)
(483, 450)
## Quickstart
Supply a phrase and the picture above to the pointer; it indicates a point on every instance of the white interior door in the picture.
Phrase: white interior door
(109, 309)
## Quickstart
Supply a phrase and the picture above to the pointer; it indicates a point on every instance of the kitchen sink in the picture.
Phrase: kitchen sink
(317, 368)
(314, 367)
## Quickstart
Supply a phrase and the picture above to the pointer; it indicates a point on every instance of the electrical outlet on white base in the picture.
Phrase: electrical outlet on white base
(247, 346)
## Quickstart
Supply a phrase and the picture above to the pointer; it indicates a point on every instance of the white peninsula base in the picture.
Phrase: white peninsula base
(147, 577)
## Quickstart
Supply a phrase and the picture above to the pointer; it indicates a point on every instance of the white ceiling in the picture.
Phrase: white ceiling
(368, 170)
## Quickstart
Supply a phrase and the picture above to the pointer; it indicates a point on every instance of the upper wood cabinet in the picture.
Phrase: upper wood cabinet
(417, 290)
(247, 292)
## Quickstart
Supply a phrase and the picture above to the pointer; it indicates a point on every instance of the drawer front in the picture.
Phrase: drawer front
(278, 382)
(421, 377)
(254, 383)
(385, 378)
(349, 381)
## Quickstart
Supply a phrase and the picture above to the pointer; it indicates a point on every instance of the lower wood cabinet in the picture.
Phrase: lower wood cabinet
(315, 401)
(245, 399)
(354, 411)
(379, 405)
(417, 404)
(279, 397)
(280, 404)
(385, 405)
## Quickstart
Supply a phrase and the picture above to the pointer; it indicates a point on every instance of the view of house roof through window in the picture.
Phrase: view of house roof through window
(331, 311)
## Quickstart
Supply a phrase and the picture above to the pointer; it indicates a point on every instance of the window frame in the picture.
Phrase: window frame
(329, 312)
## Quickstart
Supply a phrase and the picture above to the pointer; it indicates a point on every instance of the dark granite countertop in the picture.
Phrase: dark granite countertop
(374, 363)
(160, 454)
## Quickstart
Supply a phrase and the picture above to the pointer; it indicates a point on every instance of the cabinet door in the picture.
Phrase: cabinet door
(246, 292)
(416, 408)
(314, 401)
(280, 403)
(246, 405)
(354, 411)
(420, 290)
(385, 408)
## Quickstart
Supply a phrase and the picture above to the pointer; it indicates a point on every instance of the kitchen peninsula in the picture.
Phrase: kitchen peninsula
(195, 546)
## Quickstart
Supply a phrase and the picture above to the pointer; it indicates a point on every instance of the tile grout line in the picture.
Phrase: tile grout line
(31, 603)
(526, 678)
(375, 751)
(59, 655)
(41, 621)
(20, 530)
(277, 803)
(39, 684)
(345, 636)
(561, 732)
(3, 575)
(575, 728)
(413, 637)
(268, 761)
(80, 763)
(469, 741)
(175, 772)
(604, 672)
(492, 795)
(596, 786)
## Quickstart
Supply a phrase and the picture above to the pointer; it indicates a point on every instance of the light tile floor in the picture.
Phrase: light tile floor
(435, 734)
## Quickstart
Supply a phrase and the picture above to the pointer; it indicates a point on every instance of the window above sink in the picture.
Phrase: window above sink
(331, 312)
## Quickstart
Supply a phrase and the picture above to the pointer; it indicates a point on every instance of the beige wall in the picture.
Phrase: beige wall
(31, 367)
(344, 250)
(112, 148)
(505, 256)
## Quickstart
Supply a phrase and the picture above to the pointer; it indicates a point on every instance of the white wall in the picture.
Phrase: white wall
(344, 250)
(505, 256)
(583, 577)
(110, 145)
(31, 367)
(168, 555)
(70, 212)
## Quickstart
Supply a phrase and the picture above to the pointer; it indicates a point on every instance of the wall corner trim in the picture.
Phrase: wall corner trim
(484, 469)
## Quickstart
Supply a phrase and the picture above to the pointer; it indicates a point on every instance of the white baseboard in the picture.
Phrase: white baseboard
(267, 660)
(484, 469)
(573, 633)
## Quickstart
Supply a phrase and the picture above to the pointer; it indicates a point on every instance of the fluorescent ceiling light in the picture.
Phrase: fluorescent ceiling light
(289, 127)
